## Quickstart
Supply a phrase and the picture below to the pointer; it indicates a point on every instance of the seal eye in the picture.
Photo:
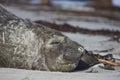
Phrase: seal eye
(55, 42)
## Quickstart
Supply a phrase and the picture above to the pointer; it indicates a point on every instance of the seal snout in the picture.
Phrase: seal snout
(71, 53)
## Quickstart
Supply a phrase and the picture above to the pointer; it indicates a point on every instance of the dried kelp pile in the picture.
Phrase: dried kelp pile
(114, 34)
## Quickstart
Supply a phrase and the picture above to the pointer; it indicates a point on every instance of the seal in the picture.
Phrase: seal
(27, 45)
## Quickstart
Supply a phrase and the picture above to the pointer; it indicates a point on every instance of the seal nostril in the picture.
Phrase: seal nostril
(81, 49)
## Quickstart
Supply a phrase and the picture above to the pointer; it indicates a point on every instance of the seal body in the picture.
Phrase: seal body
(26, 45)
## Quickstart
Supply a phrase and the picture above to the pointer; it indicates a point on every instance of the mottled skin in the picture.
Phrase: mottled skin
(26, 45)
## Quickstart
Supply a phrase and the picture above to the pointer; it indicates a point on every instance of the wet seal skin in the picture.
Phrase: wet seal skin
(27, 45)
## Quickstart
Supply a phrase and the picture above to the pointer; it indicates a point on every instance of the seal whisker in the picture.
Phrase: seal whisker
(3, 37)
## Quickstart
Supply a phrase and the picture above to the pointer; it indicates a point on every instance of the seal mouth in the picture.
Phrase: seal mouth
(81, 66)
(72, 67)
(64, 65)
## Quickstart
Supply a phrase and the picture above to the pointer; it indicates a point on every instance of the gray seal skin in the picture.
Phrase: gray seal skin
(27, 45)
